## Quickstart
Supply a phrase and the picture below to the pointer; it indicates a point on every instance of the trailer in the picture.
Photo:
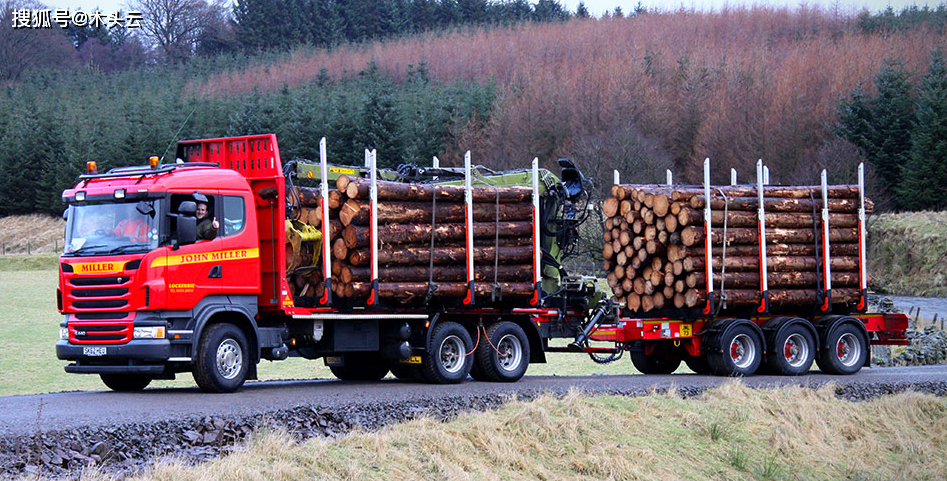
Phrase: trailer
(145, 297)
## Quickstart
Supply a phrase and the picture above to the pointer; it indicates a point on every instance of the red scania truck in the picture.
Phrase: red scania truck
(143, 298)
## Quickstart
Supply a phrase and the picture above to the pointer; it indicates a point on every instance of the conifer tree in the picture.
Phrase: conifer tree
(924, 176)
(892, 118)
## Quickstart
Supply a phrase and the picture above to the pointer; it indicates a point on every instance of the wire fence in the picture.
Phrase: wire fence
(30, 248)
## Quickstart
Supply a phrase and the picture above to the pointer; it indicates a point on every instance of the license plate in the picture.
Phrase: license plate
(412, 360)
(93, 351)
(686, 330)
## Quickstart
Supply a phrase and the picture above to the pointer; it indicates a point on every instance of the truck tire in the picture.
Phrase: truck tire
(698, 364)
(510, 363)
(361, 367)
(223, 359)
(447, 360)
(844, 351)
(739, 350)
(126, 382)
(651, 364)
(792, 351)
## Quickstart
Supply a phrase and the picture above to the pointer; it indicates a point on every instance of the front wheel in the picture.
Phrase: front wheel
(503, 355)
(126, 382)
(222, 359)
(845, 350)
(448, 359)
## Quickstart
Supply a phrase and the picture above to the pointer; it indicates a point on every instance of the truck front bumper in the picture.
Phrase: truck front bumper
(139, 356)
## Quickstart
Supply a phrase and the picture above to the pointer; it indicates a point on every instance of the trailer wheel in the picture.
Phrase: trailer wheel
(698, 364)
(791, 351)
(446, 361)
(652, 364)
(844, 351)
(223, 359)
(739, 350)
(503, 355)
(361, 367)
(126, 382)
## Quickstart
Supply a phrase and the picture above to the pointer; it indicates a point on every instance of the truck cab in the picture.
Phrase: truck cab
(138, 287)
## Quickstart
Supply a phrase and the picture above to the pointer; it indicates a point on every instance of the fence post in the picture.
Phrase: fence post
(28, 250)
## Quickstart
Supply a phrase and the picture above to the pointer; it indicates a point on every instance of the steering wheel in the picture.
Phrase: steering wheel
(104, 233)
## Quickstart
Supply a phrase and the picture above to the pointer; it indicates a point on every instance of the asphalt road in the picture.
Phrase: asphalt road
(20, 415)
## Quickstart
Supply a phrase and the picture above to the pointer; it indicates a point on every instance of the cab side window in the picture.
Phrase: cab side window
(235, 216)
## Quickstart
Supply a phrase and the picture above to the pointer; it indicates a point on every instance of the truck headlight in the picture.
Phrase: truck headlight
(150, 332)
(64, 333)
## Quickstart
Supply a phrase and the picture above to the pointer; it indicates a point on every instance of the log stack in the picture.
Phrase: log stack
(410, 217)
(654, 246)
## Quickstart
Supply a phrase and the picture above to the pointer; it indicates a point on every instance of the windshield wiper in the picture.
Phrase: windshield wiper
(129, 248)
(87, 248)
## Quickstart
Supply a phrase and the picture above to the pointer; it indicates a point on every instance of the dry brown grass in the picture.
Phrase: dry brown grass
(736, 85)
(908, 253)
(36, 232)
(731, 432)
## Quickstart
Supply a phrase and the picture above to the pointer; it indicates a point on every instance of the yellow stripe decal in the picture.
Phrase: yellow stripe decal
(200, 257)
(98, 267)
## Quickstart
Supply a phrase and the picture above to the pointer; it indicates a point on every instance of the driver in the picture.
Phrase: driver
(206, 226)
(135, 229)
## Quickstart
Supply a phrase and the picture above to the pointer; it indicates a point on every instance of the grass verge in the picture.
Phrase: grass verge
(730, 432)
(29, 328)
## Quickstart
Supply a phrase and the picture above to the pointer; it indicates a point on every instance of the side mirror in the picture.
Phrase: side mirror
(145, 208)
(187, 230)
(188, 207)
(65, 214)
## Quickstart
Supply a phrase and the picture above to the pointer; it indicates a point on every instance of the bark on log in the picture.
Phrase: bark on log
(403, 191)
(742, 218)
(777, 204)
(743, 235)
(442, 255)
(779, 280)
(410, 292)
(358, 236)
(773, 263)
(453, 273)
(357, 212)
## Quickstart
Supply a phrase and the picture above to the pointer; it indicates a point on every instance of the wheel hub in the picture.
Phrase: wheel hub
(229, 359)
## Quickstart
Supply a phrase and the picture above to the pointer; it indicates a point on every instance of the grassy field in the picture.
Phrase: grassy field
(29, 328)
(730, 432)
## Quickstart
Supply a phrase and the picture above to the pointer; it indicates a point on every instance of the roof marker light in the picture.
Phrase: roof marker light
(154, 162)
(80, 196)
(91, 168)
(119, 193)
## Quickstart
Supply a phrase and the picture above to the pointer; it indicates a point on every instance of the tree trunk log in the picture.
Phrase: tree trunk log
(411, 292)
(452, 273)
(403, 191)
(407, 256)
(357, 212)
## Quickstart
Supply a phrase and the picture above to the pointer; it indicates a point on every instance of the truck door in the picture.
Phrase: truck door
(240, 252)
(193, 270)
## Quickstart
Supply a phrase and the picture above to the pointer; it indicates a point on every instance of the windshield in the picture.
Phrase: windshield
(111, 228)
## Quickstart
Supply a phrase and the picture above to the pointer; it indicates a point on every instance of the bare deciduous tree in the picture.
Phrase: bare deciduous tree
(174, 26)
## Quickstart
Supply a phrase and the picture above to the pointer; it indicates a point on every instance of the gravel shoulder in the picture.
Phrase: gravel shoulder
(57, 434)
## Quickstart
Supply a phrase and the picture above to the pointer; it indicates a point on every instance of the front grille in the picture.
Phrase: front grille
(91, 332)
(95, 316)
(115, 292)
(98, 281)
(100, 304)
(110, 292)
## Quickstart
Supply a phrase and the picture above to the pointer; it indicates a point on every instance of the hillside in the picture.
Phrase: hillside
(642, 93)
(39, 234)
(909, 253)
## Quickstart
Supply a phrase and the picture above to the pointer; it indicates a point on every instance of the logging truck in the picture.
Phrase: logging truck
(438, 273)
